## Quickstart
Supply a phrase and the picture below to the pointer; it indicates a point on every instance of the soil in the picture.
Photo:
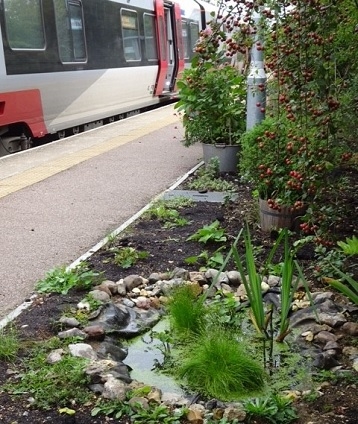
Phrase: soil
(168, 248)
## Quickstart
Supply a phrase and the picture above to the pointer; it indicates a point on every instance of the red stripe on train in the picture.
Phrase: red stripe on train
(23, 107)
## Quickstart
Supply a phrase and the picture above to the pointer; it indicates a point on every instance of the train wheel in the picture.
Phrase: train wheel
(75, 130)
(61, 134)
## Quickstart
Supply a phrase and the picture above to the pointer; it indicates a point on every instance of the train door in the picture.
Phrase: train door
(170, 47)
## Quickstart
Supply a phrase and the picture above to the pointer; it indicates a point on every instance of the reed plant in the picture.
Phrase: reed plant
(186, 310)
(252, 280)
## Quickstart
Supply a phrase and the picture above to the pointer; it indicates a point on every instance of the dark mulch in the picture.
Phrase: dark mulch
(168, 249)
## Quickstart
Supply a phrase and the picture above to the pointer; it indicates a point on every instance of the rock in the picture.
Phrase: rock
(121, 288)
(73, 332)
(111, 286)
(95, 332)
(195, 414)
(55, 356)
(331, 345)
(333, 320)
(350, 328)
(234, 278)
(69, 322)
(197, 277)
(324, 337)
(82, 350)
(104, 289)
(264, 287)
(241, 293)
(128, 302)
(355, 364)
(138, 403)
(218, 277)
(226, 288)
(320, 297)
(114, 389)
(100, 295)
(155, 396)
(232, 413)
(99, 369)
(273, 281)
(180, 273)
(325, 361)
(142, 302)
(132, 281)
(108, 350)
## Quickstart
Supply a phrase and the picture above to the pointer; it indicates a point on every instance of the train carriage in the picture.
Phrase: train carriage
(71, 65)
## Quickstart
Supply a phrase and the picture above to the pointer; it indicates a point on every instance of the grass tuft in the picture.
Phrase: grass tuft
(217, 366)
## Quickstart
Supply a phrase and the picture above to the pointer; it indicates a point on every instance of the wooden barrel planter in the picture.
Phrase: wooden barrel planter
(271, 219)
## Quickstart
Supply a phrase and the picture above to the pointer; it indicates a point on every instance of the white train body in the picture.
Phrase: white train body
(67, 65)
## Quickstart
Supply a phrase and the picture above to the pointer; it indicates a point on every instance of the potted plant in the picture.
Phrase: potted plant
(212, 97)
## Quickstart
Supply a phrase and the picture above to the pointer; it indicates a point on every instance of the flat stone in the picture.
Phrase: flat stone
(210, 196)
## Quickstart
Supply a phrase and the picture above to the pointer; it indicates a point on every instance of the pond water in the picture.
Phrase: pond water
(143, 354)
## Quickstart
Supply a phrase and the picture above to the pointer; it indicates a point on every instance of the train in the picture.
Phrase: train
(67, 66)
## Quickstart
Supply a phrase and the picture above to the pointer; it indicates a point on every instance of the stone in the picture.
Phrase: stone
(104, 289)
(350, 328)
(232, 413)
(114, 389)
(215, 275)
(155, 396)
(331, 345)
(195, 415)
(110, 285)
(180, 273)
(95, 332)
(273, 280)
(100, 295)
(333, 320)
(234, 278)
(69, 322)
(324, 337)
(226, 288)
(138, 403)
(241, 292)
(264, 287)
(55, 356)
(82, 350)
(197, 277)
(132, 281)
(142, 302)
(73, 332)
(121, 288)
(325, 361)
(108, 350)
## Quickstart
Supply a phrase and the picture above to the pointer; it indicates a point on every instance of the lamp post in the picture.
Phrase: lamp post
(256, 80)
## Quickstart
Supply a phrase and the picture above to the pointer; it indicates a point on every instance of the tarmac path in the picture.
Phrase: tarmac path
(57, 201)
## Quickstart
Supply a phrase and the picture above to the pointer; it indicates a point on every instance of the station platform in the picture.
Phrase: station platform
(59, 200)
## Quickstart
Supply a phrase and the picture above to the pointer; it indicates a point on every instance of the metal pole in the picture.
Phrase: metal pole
(256, 80)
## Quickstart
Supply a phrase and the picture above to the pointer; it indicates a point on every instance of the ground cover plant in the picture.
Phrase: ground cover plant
(170, 247)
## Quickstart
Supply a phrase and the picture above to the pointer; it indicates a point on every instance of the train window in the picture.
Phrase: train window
(185, 30)
(130, 31)
(20, 36)
(194, 34)
(150, 37)
(70, 30)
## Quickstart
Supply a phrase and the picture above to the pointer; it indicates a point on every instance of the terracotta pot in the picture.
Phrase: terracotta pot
(271, 219)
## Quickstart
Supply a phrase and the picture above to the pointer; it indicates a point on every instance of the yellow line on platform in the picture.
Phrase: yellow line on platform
(39, 173)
